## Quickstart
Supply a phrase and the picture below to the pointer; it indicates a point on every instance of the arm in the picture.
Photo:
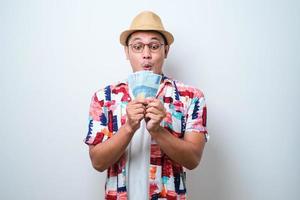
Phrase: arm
(109, 152)
(186, 151)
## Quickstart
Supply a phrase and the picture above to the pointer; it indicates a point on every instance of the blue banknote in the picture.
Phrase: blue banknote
(144, 84)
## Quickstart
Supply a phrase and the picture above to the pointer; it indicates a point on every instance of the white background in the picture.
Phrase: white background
(244, 55)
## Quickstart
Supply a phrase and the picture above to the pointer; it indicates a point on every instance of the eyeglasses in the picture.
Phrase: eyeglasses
(139, 47)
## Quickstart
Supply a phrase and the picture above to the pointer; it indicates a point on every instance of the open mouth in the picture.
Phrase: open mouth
(147, 67)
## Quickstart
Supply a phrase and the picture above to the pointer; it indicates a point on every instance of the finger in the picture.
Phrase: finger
(149, 99)
(136, 118)
(140, 117)
(160, 113)
(137, 111)
(132, 111)
(133, 103)
(136, 106)
(157, 117)
(156, 110)
(153, 110)
(135, 115)
(152, 116)
(155, 103)
(140, 101)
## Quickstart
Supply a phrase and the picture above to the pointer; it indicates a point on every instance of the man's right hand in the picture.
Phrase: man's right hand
(135, 113)
(107, 153)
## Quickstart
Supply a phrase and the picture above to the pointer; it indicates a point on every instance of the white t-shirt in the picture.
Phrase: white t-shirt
(138, 164)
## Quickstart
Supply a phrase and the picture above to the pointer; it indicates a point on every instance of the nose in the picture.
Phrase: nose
(146, 52)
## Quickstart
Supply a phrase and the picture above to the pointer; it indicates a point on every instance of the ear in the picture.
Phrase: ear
(167, 47)
(126, 50)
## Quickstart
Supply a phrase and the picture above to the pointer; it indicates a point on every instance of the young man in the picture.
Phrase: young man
(146, 144)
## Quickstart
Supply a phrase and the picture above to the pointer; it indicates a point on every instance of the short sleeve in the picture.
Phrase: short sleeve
(197, 115)
(97, 122)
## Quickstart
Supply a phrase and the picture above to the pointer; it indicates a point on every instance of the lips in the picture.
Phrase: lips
(147, 66)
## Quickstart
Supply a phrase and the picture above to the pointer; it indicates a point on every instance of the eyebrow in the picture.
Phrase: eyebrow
(153, 38)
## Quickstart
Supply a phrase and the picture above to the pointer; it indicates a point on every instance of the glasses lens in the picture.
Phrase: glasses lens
(154, 46)
(137, 47)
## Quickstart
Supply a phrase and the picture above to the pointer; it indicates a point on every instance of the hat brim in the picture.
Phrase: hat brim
(125, 34)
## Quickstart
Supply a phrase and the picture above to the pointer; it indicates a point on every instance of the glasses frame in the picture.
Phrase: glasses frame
(143, 47)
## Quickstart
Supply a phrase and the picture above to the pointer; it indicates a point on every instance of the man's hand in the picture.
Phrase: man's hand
(107, 153)
(155, 113)
(135, 113)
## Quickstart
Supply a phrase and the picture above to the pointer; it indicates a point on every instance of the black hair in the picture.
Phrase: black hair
(162, 35)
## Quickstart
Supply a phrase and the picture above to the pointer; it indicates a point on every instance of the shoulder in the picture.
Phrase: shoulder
(185, 90)
(109, 92)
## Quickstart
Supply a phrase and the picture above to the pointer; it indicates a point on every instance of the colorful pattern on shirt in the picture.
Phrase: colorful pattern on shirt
(186, 112)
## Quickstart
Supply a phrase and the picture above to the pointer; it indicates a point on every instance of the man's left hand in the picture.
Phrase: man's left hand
(155, 113)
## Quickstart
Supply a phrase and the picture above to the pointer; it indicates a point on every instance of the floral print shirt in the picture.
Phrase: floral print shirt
(186, 112)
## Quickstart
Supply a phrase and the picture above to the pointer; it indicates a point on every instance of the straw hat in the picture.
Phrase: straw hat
(146, 21)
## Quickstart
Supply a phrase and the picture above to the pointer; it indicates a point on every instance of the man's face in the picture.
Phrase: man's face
(146, 59)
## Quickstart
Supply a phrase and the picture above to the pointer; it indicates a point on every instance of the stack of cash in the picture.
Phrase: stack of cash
(144, 84)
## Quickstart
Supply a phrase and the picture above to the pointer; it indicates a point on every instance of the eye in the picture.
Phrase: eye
(137, 46)
(154, 46)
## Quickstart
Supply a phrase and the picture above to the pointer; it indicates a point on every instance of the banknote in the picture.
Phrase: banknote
(144, 84)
